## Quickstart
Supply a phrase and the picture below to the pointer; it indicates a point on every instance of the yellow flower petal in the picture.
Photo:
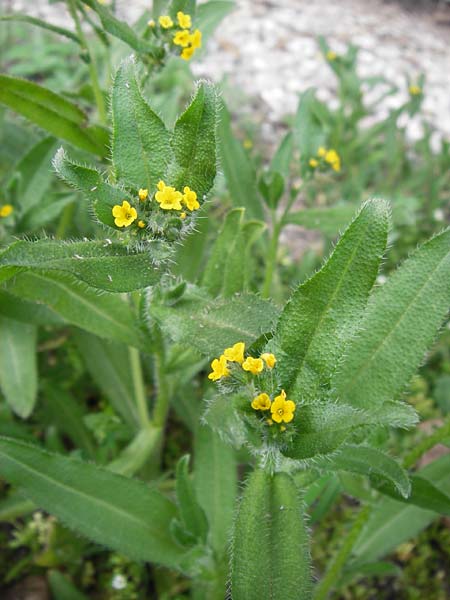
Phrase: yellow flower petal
(184, 21)
(166, 22)
(269, 359)
(6, 210)
(253, 365)
(235, 353)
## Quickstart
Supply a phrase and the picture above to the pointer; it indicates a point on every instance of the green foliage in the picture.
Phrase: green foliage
(270, 557)
(192, 515)
(40, 23)
(52, 112)
(121, 513)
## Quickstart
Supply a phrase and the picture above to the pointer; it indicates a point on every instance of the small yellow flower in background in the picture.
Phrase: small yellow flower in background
(282, 410)
(182, 215)
(165, 22)
(141, 224)
(219, 368)
(181, 38)
(282, 428)
(261, 402)
(313, 163)
(254, 365)
(235, 353)
(6, 210)
(269, 422)
(168, 197)
(248, 144)
(151, 23)
(187, 53)
(269, 359)
(321, 151)
(124, 215)
(333, 159)
(331, 55)
(184, 21)
(143, 194)
(196, 39)
(190, 198)
(415, 90)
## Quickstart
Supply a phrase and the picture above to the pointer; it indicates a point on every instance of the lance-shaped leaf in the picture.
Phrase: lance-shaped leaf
(400, 323)
(106, 315)
(324, 312)
(140, 142)
(215, 482)
(225, 272)
(328, 220)
(322, 428)
(212, 325)
(365, 460)
(239, 172)
(194, 144)
(102, 195)
(24, 311)
(18, 367)
(423, 494)
(270, 557)
(106, 266)
(52, 112)
(192, 515)
(121, 513)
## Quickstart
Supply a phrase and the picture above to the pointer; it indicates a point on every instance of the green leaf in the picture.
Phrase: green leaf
(215, 481)
(391, 522)
(210, 14)
(328, 220)
(140, 142)
(370, 461)
(62, 588)
(308, 129)
(225, 273)
(119, 29)
(323, 313)
(109, 365)
(423, 494)
(40, 23)
(106, 315)
(136, 455)
(212, 325)
(194, 144)
(239, 173)
(22, 310)
(106, 266)
(283, 156)
(52, 112)
(124, 514)
(270, 545)
(102, 195)
(400, 323)
(192, 515)
(18, 367)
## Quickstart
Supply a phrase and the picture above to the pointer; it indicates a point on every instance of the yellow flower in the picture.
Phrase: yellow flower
(269, 359)
(248, 144)
(415, 90)
(261, 402)
(141, 224)
(196, 39)
(282, 409)
(190, 198)
(165, 22)
(168, 197)
(6, 210)
(254, 365)
(184, 21)
(313, 163)
(235, 353)
(321, 151)
(187, 53)
(151, 23)
(143, 194)
(331, 55)
(332, 158)
(219, 368)
(182, 215)
(181, 38)
(124, 215)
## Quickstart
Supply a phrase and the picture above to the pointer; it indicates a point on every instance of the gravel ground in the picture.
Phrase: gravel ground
(268, 49)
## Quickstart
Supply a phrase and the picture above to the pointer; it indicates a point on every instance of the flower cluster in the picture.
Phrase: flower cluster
(183, 36)
(233, 362)
(167, 197)
(325, 156)
(5, 210)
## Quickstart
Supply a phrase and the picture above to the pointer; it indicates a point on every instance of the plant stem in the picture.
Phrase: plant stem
(271, 256)
(138, 385)
(337, 564)
(91, 63)
(426, 444)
